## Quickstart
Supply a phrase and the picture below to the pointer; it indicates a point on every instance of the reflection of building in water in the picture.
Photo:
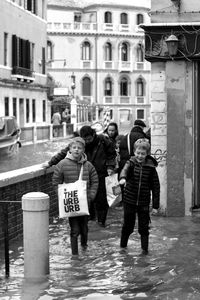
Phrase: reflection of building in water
(108, 54)
(22, 65)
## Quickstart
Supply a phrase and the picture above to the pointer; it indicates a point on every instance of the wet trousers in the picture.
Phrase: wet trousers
(78, 226)
(130, 212)
(99, 207)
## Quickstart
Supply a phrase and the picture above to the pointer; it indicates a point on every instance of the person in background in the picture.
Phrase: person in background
(127, 143)
(67, 171)
(66, 117)
(112, 131)
(117, 149)
(101, 153)
(56, 120)
(140, 178)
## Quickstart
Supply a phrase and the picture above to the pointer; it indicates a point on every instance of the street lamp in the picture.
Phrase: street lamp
(73, 83)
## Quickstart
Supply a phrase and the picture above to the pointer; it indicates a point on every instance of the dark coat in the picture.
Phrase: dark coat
(135, 134)
(141, 179)
(68, 170)
(101, 153)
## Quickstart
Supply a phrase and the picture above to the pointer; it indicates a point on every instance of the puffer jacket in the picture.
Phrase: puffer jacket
(68, 170)
(135, 134)
(141, 179)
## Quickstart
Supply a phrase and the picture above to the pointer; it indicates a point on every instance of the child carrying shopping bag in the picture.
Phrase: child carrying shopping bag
(69, 170)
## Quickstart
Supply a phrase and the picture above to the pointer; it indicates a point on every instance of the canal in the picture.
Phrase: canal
(29, 155)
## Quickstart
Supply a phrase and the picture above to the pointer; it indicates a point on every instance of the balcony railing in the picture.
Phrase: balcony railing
(108, 99)
(108, 64)
(22, 71)
(124, 27)
(125, 99)
(86, 64)
(125, 66)
(59, 26)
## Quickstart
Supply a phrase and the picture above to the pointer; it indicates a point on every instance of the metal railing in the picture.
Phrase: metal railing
(6, 234)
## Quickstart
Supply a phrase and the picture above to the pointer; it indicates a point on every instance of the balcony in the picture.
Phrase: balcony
(108, 26)
(22, 74)
(109, 65)
(108, 99)
(86, 64)
(124, 27)
(72, 27)
(144, 65)
(125, 66)
(124, 100)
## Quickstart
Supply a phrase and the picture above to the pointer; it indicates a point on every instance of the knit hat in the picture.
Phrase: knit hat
(139, 123)
(77, 139)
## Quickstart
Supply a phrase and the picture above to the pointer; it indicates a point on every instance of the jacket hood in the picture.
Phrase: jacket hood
(82, 159)
(149, 161)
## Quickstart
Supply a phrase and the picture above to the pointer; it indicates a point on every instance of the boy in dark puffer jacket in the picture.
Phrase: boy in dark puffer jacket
(67, 171)
(139, 176)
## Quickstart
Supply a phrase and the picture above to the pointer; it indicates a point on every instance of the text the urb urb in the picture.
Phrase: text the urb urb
(71, 201)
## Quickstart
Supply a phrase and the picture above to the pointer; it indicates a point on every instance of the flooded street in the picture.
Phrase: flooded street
(29, 155)
(170, 271)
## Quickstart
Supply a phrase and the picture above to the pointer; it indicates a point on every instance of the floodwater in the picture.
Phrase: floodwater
(29, 155)
(104, 272)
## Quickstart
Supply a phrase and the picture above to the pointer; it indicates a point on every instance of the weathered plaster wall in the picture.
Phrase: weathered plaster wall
(172, 146)
(159, 127)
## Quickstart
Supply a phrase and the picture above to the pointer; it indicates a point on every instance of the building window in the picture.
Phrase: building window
(33, 110)
(139, 87)
(108, 52)
(44, 110)
(124, 18)
(140, 53)
(140, 19)
(5, 49)
(86, 86)
(124, 52)
(108, 17)
(30, 5)
(124, 87)
(15, 107)
(6, 106)
(108, 87)
(140, 114)
(77, 17)
(20, 53)
(86, 51)
(27, 111)
(49, 50)
(32, 55)
(43, 9)
(43, 61)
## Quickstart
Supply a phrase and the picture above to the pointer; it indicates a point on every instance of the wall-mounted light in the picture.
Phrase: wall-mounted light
(172, 44)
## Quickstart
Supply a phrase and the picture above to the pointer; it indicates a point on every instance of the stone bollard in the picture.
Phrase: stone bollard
(35, 207)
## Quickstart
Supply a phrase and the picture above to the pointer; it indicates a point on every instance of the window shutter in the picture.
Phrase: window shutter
(14, 51)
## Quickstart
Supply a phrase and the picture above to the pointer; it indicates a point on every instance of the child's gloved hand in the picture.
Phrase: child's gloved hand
(122, 181)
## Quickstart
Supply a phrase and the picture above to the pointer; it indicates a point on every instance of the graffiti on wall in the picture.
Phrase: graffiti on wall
(160, 155)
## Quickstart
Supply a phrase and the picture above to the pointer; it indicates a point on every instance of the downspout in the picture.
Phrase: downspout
(96, 53)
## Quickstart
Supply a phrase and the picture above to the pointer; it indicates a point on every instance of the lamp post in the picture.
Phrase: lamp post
(73, 83)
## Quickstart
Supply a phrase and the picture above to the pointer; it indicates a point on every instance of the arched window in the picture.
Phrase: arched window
(108, 87)
(108, 17)
(86, 51)
(124, 87)
(140, 19)
(123, 18)
(124, 52)
(86, 86)
(139, 87)
(108, 52)
(140, 53)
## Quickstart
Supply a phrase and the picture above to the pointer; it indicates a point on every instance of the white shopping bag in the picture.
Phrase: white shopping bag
(113, 190)
(73, 198)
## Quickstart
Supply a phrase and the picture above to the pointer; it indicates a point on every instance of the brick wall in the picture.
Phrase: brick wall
(13, 185)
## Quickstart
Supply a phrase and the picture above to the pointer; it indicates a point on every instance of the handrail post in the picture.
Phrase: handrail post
(35, 207)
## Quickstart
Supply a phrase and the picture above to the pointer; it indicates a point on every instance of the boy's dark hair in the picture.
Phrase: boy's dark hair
(86, 130)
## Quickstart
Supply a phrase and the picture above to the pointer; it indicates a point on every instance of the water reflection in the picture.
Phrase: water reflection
(31, 155)
(170, 271)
